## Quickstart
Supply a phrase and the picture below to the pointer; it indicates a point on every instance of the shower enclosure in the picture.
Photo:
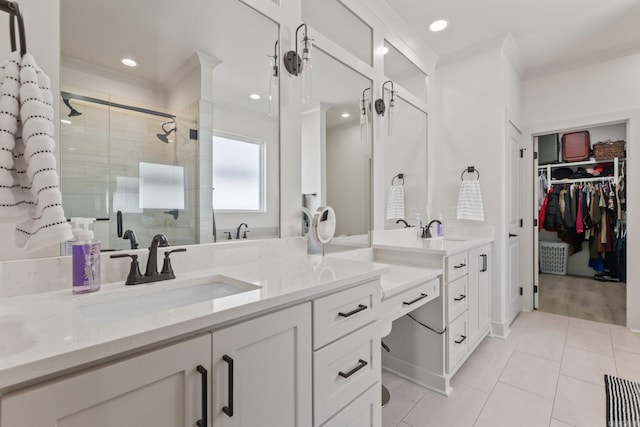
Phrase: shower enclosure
(137, 160)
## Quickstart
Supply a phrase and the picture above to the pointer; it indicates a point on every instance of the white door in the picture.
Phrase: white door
(514, 300)
(262, 371)
(163, 388)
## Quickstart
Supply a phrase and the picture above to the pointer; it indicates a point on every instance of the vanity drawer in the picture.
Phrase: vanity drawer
(338, 314)
(401, 304)
(366, 411)
(344, 370)
(457, 298)
(457, 341)
(457, 266)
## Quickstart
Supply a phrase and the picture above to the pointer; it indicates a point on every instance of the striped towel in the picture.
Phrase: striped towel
(395, 204)
(37, 201)
(623, 401)
(12, 206)
(470, 204)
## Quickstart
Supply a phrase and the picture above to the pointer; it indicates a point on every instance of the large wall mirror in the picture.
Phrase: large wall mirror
(184, 143)
(337, 150)
(405, 153)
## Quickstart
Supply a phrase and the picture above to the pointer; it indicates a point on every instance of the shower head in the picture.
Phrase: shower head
(72, 111)
(164, 137)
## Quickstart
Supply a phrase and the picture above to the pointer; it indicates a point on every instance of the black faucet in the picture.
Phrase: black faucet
(406, 225)
(130, 235)
(152, 262)
(239, 228)
(426, 231)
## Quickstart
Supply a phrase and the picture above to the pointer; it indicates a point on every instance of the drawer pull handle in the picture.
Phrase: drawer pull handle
(361, 364)
(462, 338)
(229, 408)
(352, 312)
(202, 422)
(422, 296)
(460, 265)
(484, 263)
(460, 298)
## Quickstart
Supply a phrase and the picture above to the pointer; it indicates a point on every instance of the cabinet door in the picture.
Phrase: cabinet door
(479, 292)
(162, 388)
(262, 371)
(484, 289)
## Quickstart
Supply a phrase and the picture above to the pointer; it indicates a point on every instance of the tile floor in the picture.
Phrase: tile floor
(549, 372)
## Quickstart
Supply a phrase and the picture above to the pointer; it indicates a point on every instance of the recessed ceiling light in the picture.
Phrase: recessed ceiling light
(345, 115)
(438, 25)
(128, 62)
(255, 96)
(65, 121)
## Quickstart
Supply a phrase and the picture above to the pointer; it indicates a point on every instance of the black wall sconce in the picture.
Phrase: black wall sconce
(365, 107)
(274, 65)
(294, 63)
(380, 105)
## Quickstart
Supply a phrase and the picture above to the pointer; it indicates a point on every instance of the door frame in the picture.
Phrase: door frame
(531, 133)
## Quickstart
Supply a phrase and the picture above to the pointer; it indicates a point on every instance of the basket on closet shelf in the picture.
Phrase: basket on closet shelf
(608, 150)
(554, 257)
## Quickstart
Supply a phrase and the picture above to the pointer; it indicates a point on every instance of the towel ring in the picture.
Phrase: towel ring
(399, 176)
(470, 169)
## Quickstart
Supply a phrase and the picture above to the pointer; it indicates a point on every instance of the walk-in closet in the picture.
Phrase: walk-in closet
(581, 189)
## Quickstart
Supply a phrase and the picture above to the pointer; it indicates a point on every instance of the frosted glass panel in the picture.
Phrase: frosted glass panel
(402, 71)
(161, 186)
(237, 174)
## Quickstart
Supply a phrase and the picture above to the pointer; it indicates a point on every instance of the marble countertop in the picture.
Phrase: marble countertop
(43, 334)
(406, 239)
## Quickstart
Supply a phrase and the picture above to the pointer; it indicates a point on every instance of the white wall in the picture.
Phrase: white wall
(474, 97)
(601, 93)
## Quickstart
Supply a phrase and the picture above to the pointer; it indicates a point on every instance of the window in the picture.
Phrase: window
(238, 173)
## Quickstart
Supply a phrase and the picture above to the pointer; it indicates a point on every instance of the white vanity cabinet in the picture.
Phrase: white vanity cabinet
(268, 385)
(346, 357)
(161, 388)
(262, 371)
(443, 333)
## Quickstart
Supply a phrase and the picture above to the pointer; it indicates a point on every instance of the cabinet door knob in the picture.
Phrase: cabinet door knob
(361, 364)
(202, 422)
(354, 311)
(229, 408)
(413, 301)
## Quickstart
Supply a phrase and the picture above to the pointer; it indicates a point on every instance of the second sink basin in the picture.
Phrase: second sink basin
(203, 289)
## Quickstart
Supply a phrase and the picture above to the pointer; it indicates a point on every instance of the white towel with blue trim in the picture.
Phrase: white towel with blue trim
(395, 203)
(37, 202)
(470, 205)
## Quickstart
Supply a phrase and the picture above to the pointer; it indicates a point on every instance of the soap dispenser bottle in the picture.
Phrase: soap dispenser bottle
(75, 229)
(85, 259)
(440, 228)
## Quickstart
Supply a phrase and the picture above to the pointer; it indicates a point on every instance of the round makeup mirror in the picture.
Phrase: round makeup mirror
(324, 225)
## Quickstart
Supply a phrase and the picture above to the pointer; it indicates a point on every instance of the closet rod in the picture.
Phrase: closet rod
(576, 180)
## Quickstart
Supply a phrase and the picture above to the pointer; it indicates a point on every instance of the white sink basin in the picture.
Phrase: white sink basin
(129, 307)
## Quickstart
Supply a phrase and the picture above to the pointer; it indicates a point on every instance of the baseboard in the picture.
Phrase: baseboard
(420, 376)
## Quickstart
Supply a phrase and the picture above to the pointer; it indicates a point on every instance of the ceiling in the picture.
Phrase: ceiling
(552, 35)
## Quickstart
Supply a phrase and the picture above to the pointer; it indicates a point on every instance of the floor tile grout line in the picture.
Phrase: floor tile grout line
(494, 387)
